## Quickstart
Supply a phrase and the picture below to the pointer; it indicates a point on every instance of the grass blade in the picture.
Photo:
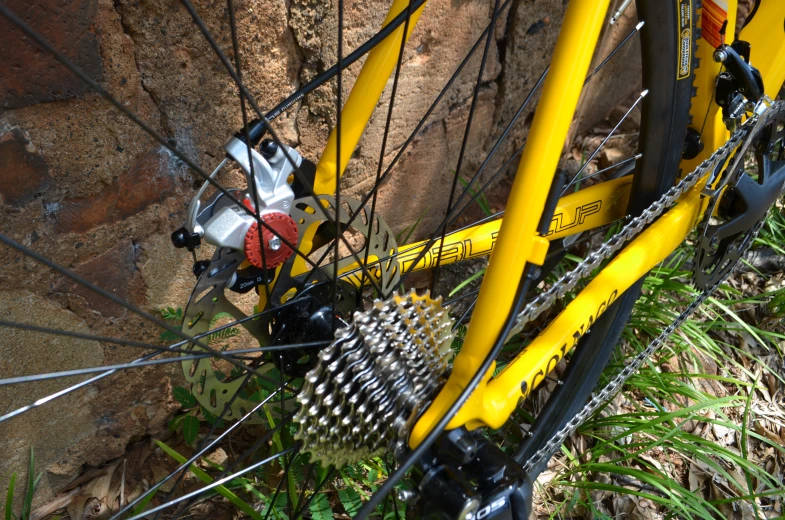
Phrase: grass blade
(9, 497)
(207, 479)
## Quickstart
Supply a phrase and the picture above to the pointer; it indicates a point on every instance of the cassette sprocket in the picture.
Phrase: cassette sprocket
(359, 400)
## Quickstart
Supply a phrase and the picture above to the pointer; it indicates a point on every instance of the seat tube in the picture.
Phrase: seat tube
(518, 242)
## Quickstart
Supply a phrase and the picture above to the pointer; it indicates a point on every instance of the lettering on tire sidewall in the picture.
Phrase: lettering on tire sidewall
(684, 14)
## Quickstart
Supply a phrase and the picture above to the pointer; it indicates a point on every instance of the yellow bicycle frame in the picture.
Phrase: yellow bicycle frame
(513, 242)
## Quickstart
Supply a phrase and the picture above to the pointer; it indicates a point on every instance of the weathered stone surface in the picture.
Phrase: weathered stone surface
(113, 197)
(147, 182)
(111, 271)
(23, 173)
(54, 428)
(166, 271)
(30, 75)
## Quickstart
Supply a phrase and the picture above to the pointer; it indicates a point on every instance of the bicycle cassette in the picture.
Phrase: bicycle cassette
(359, 399)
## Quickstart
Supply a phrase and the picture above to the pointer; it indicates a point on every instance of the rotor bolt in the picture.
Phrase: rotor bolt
(274, 244)
(720, 56)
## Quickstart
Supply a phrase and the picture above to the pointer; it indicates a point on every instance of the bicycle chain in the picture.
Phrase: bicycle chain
(591, 262)
(569, 281)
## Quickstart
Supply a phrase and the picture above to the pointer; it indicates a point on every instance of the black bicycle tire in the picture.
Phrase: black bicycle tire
(667, 106)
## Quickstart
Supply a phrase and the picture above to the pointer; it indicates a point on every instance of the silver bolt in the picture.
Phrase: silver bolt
(720, 56)
(404, 495)
(274, 244)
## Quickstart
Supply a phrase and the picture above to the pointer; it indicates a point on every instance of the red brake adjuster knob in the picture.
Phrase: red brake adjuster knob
(276, 251)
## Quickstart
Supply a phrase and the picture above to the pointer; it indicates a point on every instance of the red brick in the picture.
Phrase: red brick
(111, 271)
(31, 75)
(23, 174)
(147, 182)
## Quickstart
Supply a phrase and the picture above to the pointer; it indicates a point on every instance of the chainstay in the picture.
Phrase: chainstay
(615, 385)
(634, 227)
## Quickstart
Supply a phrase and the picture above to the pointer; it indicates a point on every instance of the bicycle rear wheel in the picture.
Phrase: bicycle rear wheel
(285, 336)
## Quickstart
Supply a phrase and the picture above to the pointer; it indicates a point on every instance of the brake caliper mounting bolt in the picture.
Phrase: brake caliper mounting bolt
(720, 56)
(268, 148)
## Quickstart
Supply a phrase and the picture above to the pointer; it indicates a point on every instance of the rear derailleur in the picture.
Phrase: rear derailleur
(467, 477)
(753, 180)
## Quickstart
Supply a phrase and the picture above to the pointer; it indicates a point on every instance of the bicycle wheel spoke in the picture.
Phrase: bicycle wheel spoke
(387, 123)
(308, 475)
(391, 495)
(73, 388)
(251, 180)
(604, 170)
(268, 127)
(466, 315)
(338, 110)
(466, 132)
(509, 126)
(201, 450)
(159, 348)
(201, 445)
(282, 404)
(280, 484)
(214, 484)
(147, 129)
(462, 297)
(611, 54)
(417, 128)
(90, 337)
(316, 491)
(607, 137)
(448, 220)
(115, 299)
(287, 463)
(247, 453)
(330, 73)
(137, 364)
(497, 144)
(486, 186)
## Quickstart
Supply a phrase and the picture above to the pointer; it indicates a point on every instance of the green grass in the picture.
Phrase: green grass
(482, 200)
(29, 493)
(672, 401)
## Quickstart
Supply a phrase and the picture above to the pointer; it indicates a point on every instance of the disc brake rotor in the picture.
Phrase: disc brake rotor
(208, 301)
